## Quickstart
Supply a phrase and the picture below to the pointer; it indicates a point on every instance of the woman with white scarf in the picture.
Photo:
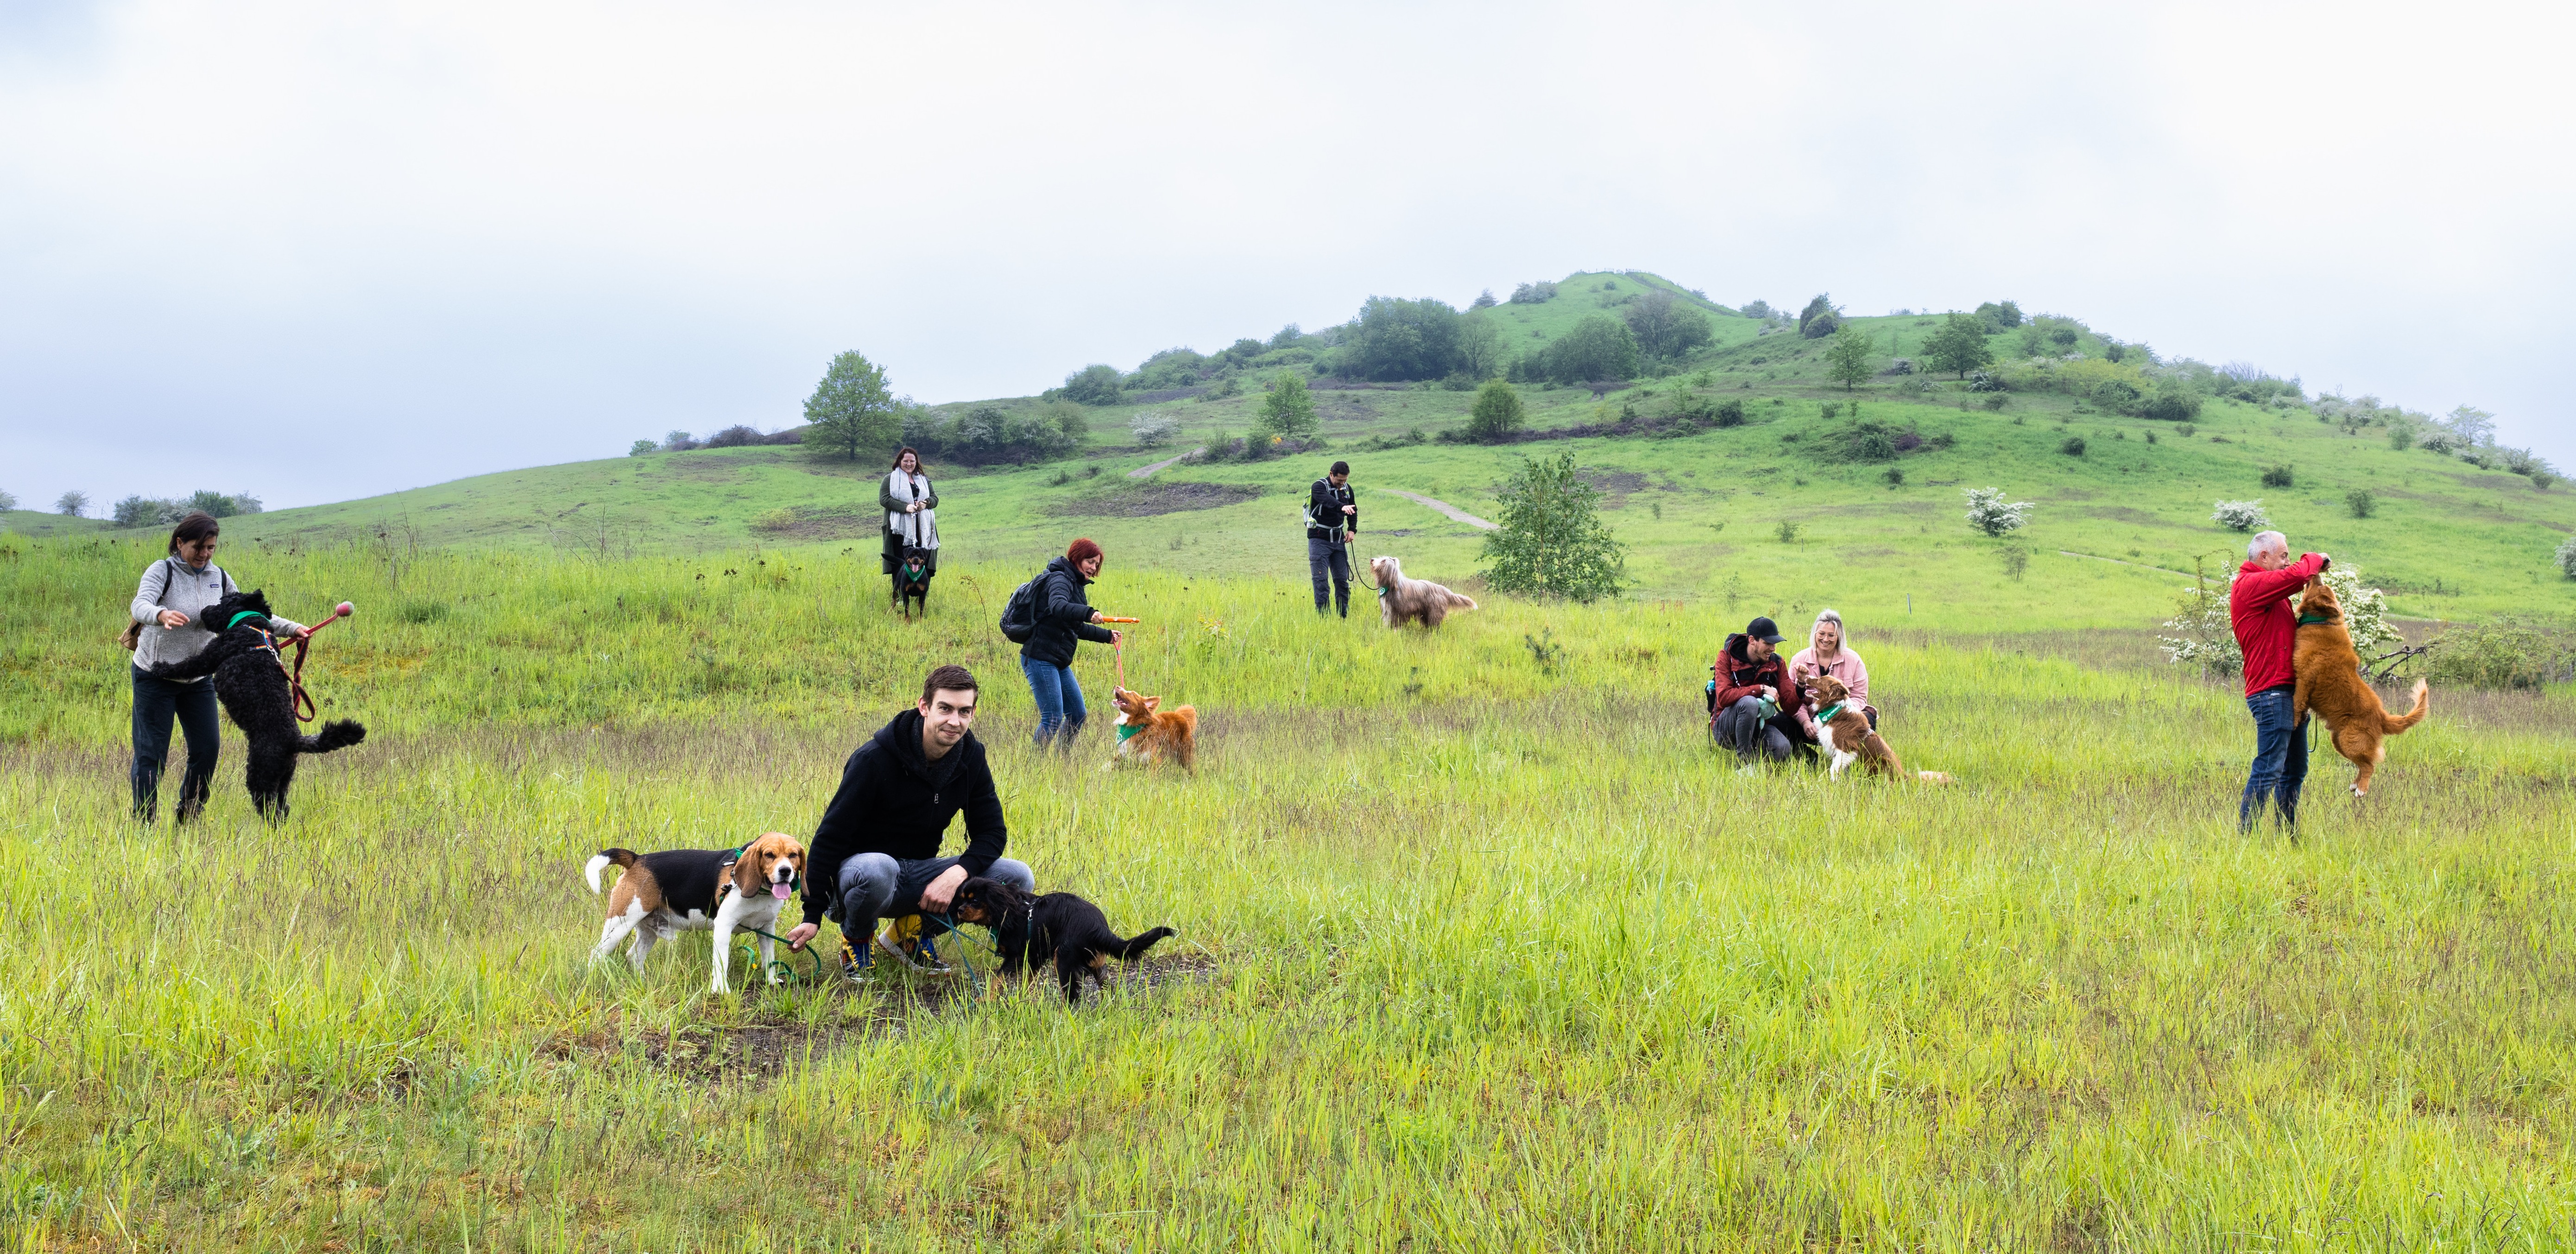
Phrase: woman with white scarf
(910, 504)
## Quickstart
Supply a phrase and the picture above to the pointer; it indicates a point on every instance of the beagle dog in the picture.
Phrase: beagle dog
(693, 890)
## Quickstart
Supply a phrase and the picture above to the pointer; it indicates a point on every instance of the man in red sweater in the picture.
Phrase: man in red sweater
(2267, 629)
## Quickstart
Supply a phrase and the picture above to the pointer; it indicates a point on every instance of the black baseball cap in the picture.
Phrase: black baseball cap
(1764, 630)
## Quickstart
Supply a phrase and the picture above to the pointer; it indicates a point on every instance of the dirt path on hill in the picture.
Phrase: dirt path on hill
(1444, 507)
(1142, 471)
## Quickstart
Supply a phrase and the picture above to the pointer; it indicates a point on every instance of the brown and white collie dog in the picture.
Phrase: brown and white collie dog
(1848, 736)
(2331, 687)
(1146, 736)
(1401, 600)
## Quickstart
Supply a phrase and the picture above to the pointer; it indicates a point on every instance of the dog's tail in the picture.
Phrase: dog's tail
(603, 860)
(2391, 724)
(1461, 600)
(1129, 951)
(339, 733)
(1933, 777)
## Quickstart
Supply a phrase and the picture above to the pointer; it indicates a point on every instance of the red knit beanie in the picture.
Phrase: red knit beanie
(1081, 551)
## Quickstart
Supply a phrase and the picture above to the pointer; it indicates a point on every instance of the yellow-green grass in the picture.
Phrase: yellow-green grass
(1509, 960)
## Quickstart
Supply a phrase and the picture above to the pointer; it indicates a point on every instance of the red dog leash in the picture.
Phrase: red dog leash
(305, 710)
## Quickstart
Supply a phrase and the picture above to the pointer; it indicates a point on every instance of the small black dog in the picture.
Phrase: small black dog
(250, 679)
(912, 581)
(1059, 925)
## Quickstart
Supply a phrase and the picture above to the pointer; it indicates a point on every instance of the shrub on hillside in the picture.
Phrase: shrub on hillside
(1819, 306)
(1400, 340)
(1999, 315)
(1957, 346)
(8, 500)
(1498, 413)
(1985, 381)
(1538, 293)
(72, 504)
(739, 436)
(2174, 401)
(1288, 412)
(1755, 309)
(2116, 395)
(2240, 515)
(679, 442)
(145, 511)
(1094, 384)
(2567, 558)
(2509, 652)
(2205, 637)
(2279, 476)
(1990, 513)
(1866, 440)
(1729, 413)
(641, 447)
(2072, 446)
(991, 435)
(1665, 327)
(1599, 349)
(2361, 502)
(1551, 541)
(1154, 430)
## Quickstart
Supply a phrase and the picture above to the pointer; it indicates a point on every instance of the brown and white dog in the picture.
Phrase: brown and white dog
(1848, 736)
(693, 890)
(2331, 687)
(1146, 737)
(1401, 600)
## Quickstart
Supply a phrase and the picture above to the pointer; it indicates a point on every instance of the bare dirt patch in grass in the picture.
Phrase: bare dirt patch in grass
(816, 522)
(1160, 498)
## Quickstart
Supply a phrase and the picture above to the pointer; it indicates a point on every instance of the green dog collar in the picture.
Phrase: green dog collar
(1127, 730)
(2306, 621)
(1826, 715)
(238, 617)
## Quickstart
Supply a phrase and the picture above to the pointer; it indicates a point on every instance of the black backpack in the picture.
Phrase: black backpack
(1020, 613)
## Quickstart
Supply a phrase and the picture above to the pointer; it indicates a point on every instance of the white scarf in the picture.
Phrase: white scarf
(921, 530)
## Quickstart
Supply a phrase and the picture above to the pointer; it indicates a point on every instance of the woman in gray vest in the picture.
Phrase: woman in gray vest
(174, 592)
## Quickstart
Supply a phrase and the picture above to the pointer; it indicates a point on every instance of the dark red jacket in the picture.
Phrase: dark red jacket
(1738, 678)
(2267, 624)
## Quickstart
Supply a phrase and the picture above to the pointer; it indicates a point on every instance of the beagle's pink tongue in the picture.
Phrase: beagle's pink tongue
(778, 890)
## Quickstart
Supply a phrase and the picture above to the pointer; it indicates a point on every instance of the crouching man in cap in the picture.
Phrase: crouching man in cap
(1752, 702)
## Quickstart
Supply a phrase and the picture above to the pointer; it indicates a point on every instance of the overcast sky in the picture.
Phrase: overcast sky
(316, 251)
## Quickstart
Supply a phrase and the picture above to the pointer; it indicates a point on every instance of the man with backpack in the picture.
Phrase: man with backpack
(1332, 517)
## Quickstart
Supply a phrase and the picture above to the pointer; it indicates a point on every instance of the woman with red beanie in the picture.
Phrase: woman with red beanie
(1064, 618)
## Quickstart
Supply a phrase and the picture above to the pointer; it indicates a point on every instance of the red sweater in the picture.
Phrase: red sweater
(2267, 625)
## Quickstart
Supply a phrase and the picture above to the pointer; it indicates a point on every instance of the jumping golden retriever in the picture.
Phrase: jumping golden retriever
(2331, 687)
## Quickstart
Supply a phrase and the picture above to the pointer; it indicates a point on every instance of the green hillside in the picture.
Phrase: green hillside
(1701, 508)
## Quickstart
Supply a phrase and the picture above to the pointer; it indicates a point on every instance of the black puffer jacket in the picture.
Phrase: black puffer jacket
(1064, 615)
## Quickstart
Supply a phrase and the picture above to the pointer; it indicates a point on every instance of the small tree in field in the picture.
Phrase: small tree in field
(1847, 356)
(1288, 412)
(1551, 542)
(1498, 413)
(1154, 430)
(2567, 558)
(1958, 345)
(8, 501)
(2240, 515)
(72, 504)
(853, 411)
(1990, 513)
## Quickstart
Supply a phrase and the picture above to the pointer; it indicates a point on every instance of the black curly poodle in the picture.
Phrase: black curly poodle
(251, 681)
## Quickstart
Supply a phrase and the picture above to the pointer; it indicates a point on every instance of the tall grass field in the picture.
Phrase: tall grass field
(1481, 945)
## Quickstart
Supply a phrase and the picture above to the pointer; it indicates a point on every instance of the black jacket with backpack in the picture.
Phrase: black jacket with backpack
(1324, 504)
(1063, 615)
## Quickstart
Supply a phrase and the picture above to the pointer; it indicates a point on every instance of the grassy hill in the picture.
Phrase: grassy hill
(1702, 513)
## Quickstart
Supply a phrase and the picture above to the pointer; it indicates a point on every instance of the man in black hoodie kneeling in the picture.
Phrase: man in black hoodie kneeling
(876, 852)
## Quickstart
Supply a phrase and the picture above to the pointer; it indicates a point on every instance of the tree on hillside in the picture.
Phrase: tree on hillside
(1819, 311)
(854, 413)
(1484, 300)
(1288, 412)
(1990, 513)
(71, 504)
(2002, 316)
(1093, 385)
(1497, 414)
(1598, 348)
(1551, 542)
(1480, 349)
(1847, 356)
(8, 500)
(1665, 327)
(1958, 345)
(1404, 339)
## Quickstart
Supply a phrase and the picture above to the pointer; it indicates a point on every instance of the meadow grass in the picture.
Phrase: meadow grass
(1473, 953)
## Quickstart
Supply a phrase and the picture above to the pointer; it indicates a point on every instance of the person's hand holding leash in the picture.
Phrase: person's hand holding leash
(801, 933)
(935, 897)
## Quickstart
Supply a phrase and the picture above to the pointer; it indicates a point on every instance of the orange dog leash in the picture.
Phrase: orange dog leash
(1118, 648)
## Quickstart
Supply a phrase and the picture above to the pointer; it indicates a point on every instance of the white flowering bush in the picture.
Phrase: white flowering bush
(1990, 513)
(2567, 557)
(2240, 515)
(1154, 430)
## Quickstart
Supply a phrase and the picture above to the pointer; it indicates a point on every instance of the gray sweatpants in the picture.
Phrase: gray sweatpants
(1742, 728)
(875, 886)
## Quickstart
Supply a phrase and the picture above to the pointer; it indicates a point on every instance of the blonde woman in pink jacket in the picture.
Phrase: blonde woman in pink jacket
(1827, 654)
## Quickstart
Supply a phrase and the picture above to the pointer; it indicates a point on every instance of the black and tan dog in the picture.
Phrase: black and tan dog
(1030, 930)
(912, 581)
(251, 681)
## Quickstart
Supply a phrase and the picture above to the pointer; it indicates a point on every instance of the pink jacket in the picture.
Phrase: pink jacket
(1847, 667)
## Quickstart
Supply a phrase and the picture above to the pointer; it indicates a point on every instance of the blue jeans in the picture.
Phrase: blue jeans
(2280, 759)
(1059, 699)
(155, 701)
(1329, 564)
(874, 886)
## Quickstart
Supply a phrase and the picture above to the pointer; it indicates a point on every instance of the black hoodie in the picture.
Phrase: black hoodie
(1064, 615)
(895, 801)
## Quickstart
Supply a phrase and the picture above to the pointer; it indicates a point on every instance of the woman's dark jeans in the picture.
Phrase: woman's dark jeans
(2280, 759)
(155, 701)
(1059, 700)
